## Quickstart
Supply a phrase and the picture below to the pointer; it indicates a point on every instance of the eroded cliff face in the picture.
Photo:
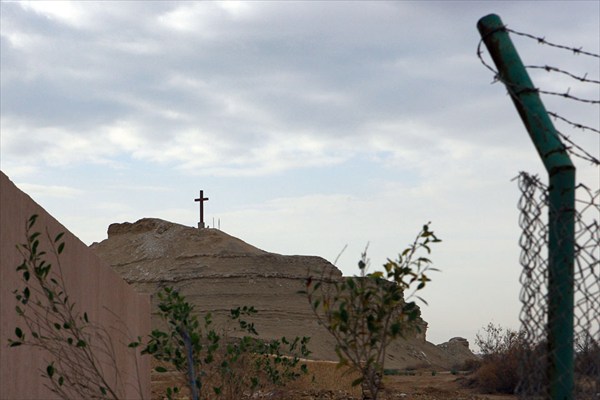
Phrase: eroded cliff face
(217, 272)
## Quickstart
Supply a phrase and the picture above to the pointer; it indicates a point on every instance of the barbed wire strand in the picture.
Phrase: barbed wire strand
(567, 95)
(577, 150)
(549, 68)
(541, 40)
(573, 124)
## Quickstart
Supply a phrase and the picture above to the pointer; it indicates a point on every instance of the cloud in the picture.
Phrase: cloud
(228, 88)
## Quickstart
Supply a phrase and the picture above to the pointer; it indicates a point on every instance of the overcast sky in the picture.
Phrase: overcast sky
(309, 125)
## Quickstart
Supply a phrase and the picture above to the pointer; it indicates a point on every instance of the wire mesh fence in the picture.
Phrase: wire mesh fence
(538, 223)
(533, 206)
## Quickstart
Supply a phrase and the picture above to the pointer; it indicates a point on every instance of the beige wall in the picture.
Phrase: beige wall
(91, 284)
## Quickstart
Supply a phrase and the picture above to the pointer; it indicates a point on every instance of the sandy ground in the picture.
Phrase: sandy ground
(422, 386)
(442, 385)
(419, 385)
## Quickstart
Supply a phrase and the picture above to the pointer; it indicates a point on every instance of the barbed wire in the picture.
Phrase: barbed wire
(550, 68)
(577, 150)
(572, 147)
(541, 40)
(567, 95)
(573, 124)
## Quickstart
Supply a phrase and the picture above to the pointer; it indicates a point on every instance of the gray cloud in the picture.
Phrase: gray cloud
(246, 86)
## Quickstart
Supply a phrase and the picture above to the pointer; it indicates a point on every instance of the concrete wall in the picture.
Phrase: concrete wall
(92, 285)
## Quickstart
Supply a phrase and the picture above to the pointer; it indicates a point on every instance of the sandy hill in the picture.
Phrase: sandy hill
(217, 272)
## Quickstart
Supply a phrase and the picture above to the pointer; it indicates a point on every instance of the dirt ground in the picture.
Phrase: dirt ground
(421, 385)
(443, 385)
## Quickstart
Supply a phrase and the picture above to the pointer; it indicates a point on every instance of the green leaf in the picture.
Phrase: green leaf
(50, 370)
(34, 247)
(395, 329)
(32, 220)
(57, 238)
(357, 382)
(61, 247)
(160, 369)
(19, 332)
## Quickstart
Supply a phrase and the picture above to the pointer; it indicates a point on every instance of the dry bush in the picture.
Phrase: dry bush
(326, 375)
(587, 356)
(499, 374)
(498, 370)
(470, 365)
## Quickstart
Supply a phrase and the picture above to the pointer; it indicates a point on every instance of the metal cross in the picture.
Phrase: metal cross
(201, 199)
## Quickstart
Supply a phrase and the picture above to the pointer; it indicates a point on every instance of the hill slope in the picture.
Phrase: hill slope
(217, 272)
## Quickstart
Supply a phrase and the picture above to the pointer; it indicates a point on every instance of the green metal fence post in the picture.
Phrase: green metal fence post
(561, 174)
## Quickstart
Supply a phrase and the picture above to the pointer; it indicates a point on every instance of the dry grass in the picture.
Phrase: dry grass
(331, 383)
(325, 375)
(322, 375)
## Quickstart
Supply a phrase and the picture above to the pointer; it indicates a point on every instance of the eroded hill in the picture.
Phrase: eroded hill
(217, 272)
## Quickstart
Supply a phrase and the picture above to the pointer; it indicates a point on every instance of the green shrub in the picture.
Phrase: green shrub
(365, 313)
(213, 365)
(391, 372)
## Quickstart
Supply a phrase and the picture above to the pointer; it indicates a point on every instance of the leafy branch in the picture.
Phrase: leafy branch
(365, 313)
(214, 364)
(83, 355)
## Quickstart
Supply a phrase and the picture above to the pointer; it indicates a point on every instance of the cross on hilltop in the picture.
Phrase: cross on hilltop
(201, 199)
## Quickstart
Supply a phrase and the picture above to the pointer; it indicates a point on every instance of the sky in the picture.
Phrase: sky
(310, 126)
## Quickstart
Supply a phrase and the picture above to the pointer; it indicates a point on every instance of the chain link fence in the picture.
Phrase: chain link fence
(533, 206)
